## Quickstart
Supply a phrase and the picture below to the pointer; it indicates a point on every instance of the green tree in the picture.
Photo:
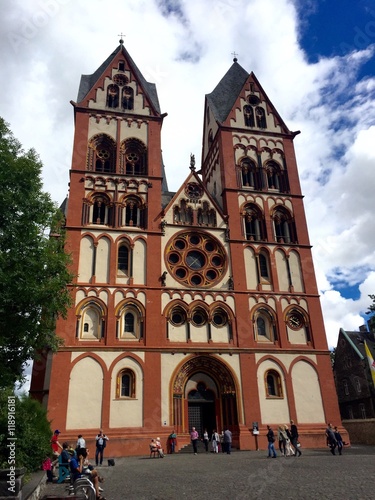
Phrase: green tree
(29, 424)
(34, 271)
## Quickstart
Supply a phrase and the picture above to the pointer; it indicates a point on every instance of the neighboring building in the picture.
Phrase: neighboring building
(196, 308)
(354, 384)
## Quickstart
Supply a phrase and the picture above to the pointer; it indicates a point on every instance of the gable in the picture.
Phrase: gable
(119, 85)
(192, 205)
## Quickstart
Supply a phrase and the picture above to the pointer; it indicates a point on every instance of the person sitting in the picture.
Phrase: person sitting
(65, 455)
(159, 448)
(77, 469)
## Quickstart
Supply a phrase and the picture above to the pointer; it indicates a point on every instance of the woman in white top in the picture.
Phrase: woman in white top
(215, 440)
(81, 443)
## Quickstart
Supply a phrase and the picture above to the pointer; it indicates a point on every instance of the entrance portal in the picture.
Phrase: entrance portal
(202, 416)
(204, 396)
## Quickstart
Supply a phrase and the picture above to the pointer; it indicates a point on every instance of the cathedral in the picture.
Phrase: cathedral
(190, 308)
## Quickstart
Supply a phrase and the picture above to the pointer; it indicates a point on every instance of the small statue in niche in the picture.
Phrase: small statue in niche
(163, 278)
(230, 283)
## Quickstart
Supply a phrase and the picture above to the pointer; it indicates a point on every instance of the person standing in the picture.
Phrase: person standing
(172, 441)
(332, 443)
(81, 443)
(55, 445)
(101, 442)
(271, 440)
(294, 438)
(282, 437)
(206, 440)
(215, 441)
(340, 444)
(228, 441)
(194, 436)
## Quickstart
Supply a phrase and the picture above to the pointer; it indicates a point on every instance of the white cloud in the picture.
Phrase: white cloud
(48, 44)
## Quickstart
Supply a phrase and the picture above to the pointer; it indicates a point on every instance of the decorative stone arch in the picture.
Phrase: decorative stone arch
(219, 414)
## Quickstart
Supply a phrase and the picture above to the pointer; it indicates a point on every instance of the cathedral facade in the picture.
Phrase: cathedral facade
(195, 308)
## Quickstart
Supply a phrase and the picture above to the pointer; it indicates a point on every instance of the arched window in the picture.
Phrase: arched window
(123, 259)
(260, 117)
(101, 212)
(133, 212)
(183, 214)
(254, 223)
(125, 387)
(264, 325)
(127, 98)
(248, 114)
(206, 215)
(112, 96)
(263, 267)
(130, 321)
(273, 384)
(250, 174)
(276, 177)
(133, 157)
(177, 316)
(90, 322)
(220, 317)
(199, 317)
(101, 155)
(284, 226)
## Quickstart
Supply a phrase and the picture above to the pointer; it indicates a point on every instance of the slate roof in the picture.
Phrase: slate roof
(223, 97)
(88, 81)
(357, 341)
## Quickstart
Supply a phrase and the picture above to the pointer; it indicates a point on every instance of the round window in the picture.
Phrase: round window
(219, 319)
(177, 317)
(199, 318)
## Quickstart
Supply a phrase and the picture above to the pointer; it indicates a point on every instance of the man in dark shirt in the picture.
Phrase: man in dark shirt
(294, 438)
(271, 440)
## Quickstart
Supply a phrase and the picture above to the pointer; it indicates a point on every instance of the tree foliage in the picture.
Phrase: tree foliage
(34, 270)
(29, 426)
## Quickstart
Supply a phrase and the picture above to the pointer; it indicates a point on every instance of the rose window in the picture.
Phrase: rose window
(196, 259)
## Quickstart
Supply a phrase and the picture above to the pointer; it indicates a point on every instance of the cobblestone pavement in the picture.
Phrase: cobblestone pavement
(242, 475)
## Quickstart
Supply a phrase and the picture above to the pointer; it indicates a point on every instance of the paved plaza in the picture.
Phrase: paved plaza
(242, 475)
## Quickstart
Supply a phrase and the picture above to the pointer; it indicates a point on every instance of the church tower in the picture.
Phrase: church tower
(195, 308)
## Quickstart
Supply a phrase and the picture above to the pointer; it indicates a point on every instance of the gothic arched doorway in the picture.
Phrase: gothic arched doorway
(204, 396)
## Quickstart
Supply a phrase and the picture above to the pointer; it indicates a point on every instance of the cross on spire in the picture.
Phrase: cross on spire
(121, 39)
(234, 56)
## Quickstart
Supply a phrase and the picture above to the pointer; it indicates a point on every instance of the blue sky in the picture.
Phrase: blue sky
(314, 58)
(337, 27)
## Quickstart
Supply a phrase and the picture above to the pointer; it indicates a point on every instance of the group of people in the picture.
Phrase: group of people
(334, 439)
(223, 441)
(287, 439)
(77, 459)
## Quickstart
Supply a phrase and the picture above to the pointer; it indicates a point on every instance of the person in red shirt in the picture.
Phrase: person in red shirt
(55, 443)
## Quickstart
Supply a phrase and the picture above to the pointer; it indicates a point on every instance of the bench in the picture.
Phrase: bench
(64, 472)
(83, 486)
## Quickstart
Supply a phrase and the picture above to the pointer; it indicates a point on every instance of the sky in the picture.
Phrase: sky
(314, 58)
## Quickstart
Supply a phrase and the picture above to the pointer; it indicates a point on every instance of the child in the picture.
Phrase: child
(47, 466)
